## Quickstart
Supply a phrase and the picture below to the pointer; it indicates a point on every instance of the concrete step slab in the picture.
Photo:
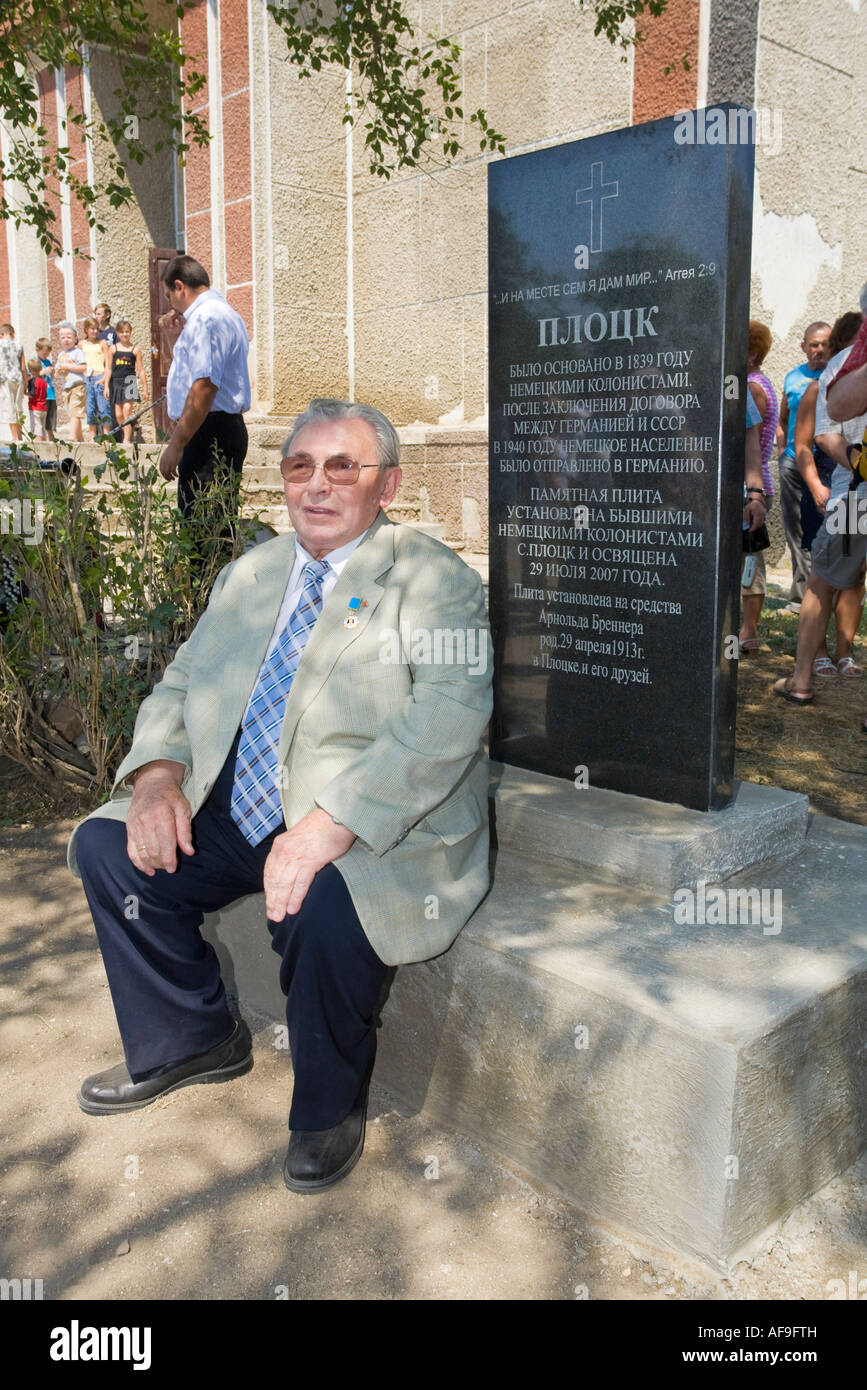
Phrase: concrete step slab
(691, 1084)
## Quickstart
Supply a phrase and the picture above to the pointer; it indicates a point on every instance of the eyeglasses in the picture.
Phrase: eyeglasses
(340, 469)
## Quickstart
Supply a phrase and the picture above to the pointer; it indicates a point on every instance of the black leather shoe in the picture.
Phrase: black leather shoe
(318, 1158)
(109, 1092)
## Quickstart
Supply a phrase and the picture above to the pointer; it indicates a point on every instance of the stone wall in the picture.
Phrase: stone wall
(416, 247)
(119, 271)
(354, 286)
(809, 258)
(420, 242)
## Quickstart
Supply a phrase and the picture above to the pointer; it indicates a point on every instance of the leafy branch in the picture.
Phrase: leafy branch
(407, 90)
(156, 86)
(615, 18)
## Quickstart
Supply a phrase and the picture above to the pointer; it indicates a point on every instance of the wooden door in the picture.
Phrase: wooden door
(161, 343)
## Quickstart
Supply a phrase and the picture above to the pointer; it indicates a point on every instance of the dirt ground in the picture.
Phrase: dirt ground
(185, 1199)
(818, 749)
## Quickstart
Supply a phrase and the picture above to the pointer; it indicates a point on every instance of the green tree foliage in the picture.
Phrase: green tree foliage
(406, 91)
(616, 20)
(155, 83)
(406, 88)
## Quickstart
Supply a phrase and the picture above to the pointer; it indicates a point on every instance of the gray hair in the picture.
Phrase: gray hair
(66, 324)
(324, 408)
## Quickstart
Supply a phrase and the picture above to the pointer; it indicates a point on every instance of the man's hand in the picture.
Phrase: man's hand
(297, 856)
(755, 512)
(200, 398)
(159, 818)
(171, 326)
(171, 322)
(170, 458)
(820, 495)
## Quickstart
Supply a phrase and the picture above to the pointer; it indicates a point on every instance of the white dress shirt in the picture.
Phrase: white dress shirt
(295, 587)
(213, 343)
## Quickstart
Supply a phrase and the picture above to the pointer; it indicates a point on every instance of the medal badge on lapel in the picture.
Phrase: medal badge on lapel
(351, 619)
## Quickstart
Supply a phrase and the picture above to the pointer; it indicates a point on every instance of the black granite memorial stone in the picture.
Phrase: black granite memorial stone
(619, 302)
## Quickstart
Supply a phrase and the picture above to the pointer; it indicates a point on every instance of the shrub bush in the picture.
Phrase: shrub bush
(101, 587)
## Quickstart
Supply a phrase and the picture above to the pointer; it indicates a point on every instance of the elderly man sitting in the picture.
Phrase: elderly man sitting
(319, 735)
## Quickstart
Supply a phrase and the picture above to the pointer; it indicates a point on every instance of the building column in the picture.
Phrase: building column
(66, 263)
(733, 52)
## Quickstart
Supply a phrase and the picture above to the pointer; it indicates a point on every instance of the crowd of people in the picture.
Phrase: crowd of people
(101, 378)
(99, 374)
(817, 458)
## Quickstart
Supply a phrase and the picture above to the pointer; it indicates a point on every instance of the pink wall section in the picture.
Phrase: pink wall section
(668, 38)
(236, 212)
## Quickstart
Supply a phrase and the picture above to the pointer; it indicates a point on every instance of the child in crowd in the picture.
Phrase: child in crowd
(127, 369)
(96, 378)
(13, 380)
(72, 367)
(43, 352)
(37, 397)
(105, 332)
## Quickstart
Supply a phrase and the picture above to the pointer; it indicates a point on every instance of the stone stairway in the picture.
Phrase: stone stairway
(261, 486)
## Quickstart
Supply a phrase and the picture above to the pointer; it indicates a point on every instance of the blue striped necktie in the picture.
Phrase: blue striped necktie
(255, 806)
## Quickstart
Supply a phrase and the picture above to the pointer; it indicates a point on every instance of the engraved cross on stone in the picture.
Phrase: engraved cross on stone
(595, 193)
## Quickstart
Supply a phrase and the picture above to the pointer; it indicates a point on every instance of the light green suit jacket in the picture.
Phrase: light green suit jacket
(391, 748)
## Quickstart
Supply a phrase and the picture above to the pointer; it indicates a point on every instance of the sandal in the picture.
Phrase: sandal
(824, 666)
(847, 667)
(786, 691)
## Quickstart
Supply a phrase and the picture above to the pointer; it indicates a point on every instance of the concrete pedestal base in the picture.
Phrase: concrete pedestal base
(649, 842)
(689, 1083)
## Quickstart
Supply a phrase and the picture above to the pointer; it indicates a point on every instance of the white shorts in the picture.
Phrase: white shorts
(11, 394)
